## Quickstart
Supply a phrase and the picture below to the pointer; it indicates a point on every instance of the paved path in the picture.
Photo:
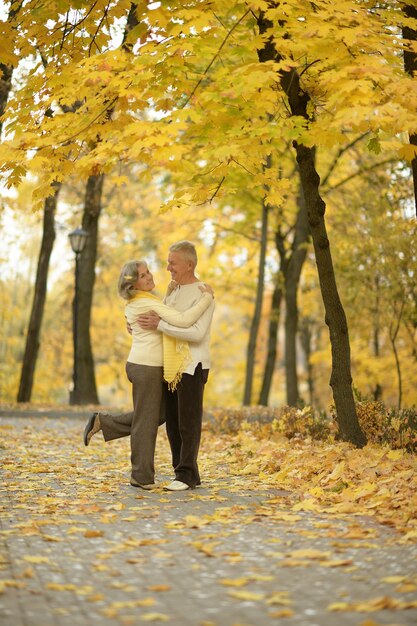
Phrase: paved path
(82, 547)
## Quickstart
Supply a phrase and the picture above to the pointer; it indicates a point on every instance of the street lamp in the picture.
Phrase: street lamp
(78, 239)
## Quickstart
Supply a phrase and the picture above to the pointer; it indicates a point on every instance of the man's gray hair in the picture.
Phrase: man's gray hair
(187, 248)
(127, 279)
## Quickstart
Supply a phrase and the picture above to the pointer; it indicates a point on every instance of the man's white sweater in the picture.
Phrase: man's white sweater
(198, 335)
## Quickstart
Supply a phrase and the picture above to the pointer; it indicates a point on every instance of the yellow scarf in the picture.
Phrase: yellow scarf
(177, 353)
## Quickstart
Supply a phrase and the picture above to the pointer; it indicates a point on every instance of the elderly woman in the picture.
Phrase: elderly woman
(152, 357)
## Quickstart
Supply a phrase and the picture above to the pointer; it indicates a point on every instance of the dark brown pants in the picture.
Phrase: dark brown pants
(142, 424)
(184, 415)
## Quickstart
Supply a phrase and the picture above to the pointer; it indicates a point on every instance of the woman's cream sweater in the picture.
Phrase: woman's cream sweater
(147, 344)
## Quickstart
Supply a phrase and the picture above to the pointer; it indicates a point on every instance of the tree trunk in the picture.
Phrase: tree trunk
(305, 337)
(290, 269)
(6, 71)
(292, 279)
(377, 392)
(271, 355)
(410, 65)
(39, 297)
(253, 333)
(85, 389)
(393, 334)
(341, 378)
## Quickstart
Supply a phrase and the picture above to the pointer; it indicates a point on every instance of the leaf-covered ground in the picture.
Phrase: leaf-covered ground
(282, 531)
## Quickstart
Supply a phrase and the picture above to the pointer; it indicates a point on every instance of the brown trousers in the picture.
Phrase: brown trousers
(142, 424)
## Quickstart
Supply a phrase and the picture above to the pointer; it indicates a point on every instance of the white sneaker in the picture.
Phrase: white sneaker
(177, 485)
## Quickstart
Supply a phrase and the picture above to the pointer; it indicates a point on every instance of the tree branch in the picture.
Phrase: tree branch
(359, 173)
(214, 58)
(340, 154)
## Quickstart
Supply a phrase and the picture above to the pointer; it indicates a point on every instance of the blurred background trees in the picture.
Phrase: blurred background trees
(191, 138)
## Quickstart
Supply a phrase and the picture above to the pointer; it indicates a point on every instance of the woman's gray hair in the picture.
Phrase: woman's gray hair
(128, 278)
(188, 250)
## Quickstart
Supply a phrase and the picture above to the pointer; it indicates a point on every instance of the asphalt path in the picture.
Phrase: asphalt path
(80, 546)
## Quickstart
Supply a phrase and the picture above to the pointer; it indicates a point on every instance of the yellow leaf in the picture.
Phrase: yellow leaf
(129, 604)
(395, 455)
(98, 597)
(192, 521)
(159, 588)
(234, 582)
(246, 595)
(339, 606)
(411, 535)
(93, 533)
(11, 583)
(205, 547)
(61, 586)
(36, 559)
(393, 579)
(28, 573)
(338, 471)
(282, 613)
(306, 505)
(336, 563)
(51, 538)
(154, 617)
(101, 567)
(408, 152)
(310, 554)
(406, 588)
(280, 598)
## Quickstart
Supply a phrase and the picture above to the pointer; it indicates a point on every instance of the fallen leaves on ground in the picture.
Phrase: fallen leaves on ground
(334, 478)
(62, 493)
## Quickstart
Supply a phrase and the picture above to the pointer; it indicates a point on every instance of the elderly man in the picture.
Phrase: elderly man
(184, 406)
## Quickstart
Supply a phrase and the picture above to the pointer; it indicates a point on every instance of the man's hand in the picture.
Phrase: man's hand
(205, 288)
(149, 321)
(171, 287)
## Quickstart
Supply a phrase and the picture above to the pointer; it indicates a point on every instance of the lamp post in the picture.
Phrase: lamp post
(78, 239)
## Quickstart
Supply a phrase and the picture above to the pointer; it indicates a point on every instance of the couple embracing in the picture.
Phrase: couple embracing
(168, 366)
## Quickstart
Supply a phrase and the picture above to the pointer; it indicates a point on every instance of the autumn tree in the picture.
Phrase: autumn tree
(409, 32)
(35, 320)
(195, 100)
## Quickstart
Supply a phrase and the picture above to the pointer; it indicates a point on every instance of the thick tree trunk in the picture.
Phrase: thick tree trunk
(410, 64)
(85, 389)
(341, 378)
(35, 321)
(292, 280)
(256, 319)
